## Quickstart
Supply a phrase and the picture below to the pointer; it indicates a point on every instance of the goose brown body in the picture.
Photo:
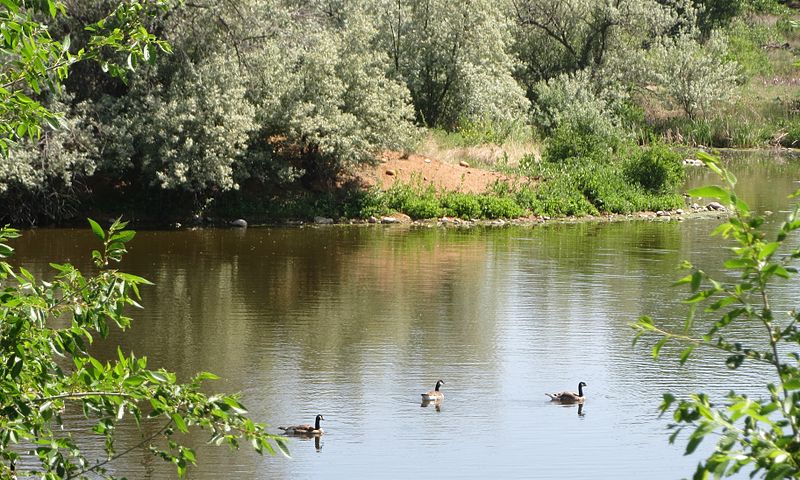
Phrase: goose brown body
(435, 394)
(569, 397)
(305, 429)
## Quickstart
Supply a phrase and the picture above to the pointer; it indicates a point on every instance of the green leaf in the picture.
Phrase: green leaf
(657, 347)
(12, 6)
(124, 236)
(97, 229)
(684, 356)
(768, 250)
(157, 376)
(694, 442)
(738, 263)
(793, 384)
(697, 277)
(179, 423)
(711, 191)
(135, 279)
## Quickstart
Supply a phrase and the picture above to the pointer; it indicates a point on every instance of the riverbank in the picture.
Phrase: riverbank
(424, 191)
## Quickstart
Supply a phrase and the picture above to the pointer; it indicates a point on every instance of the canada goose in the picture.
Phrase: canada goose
(305, 429)
(435, 394)
(569, 397)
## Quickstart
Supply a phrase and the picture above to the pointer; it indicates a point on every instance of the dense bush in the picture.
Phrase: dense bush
(657, 169)
(689, 74)
(454, 57)
(500, 207)
(462, 205)
(576, 100)
(746, 47)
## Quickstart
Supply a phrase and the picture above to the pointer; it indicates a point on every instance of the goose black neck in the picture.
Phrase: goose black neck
(437, 386)
(580, 389)
(316, 423)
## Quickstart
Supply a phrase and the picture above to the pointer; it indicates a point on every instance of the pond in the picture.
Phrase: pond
(356, 322)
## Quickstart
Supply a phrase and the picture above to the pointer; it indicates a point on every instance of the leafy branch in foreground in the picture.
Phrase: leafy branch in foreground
(48, 377)
(763, 435)
(34, 61)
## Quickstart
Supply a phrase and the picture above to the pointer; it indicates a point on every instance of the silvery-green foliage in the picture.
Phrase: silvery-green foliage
(454, 57)
(39, 176)
(564, 36)
(573, 99)
(187, 134)
(691, 75)
(338, 107)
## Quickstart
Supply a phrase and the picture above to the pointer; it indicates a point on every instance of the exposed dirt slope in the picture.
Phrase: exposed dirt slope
(429, 171)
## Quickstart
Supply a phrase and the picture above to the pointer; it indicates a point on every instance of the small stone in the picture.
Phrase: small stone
(323, 220)
(715, 206)
(372, 219)
(695, 206)
(427, 160)
(680, 211)
(662, 213)
(239, 223)
(463, 164)
(388, 220)
(391, 172)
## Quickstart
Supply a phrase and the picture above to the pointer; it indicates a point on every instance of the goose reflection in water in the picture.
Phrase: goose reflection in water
(307, 438)
(437, 404)
(581, 413)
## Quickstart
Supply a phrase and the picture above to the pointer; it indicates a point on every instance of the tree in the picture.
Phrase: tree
(46, 327)
(692, 75)
(759, 435)
(33, 61)
(554, 37)
(455, 59)
(46, 141)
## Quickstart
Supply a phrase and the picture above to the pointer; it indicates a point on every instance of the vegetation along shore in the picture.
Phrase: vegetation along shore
(288, 111)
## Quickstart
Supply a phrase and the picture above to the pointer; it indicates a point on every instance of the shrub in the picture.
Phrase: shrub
(500, 207)
(578, 141)
(657, 169)
(573, 99)
(692, 75)
(462, 205)
(744, 47)
(792, 137)
(423, 207)
(415, 200)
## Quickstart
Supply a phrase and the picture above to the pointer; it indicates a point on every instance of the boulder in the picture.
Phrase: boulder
(239, 223)
(323, 221)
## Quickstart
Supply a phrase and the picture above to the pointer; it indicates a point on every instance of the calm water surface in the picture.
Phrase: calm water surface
(356, 322)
